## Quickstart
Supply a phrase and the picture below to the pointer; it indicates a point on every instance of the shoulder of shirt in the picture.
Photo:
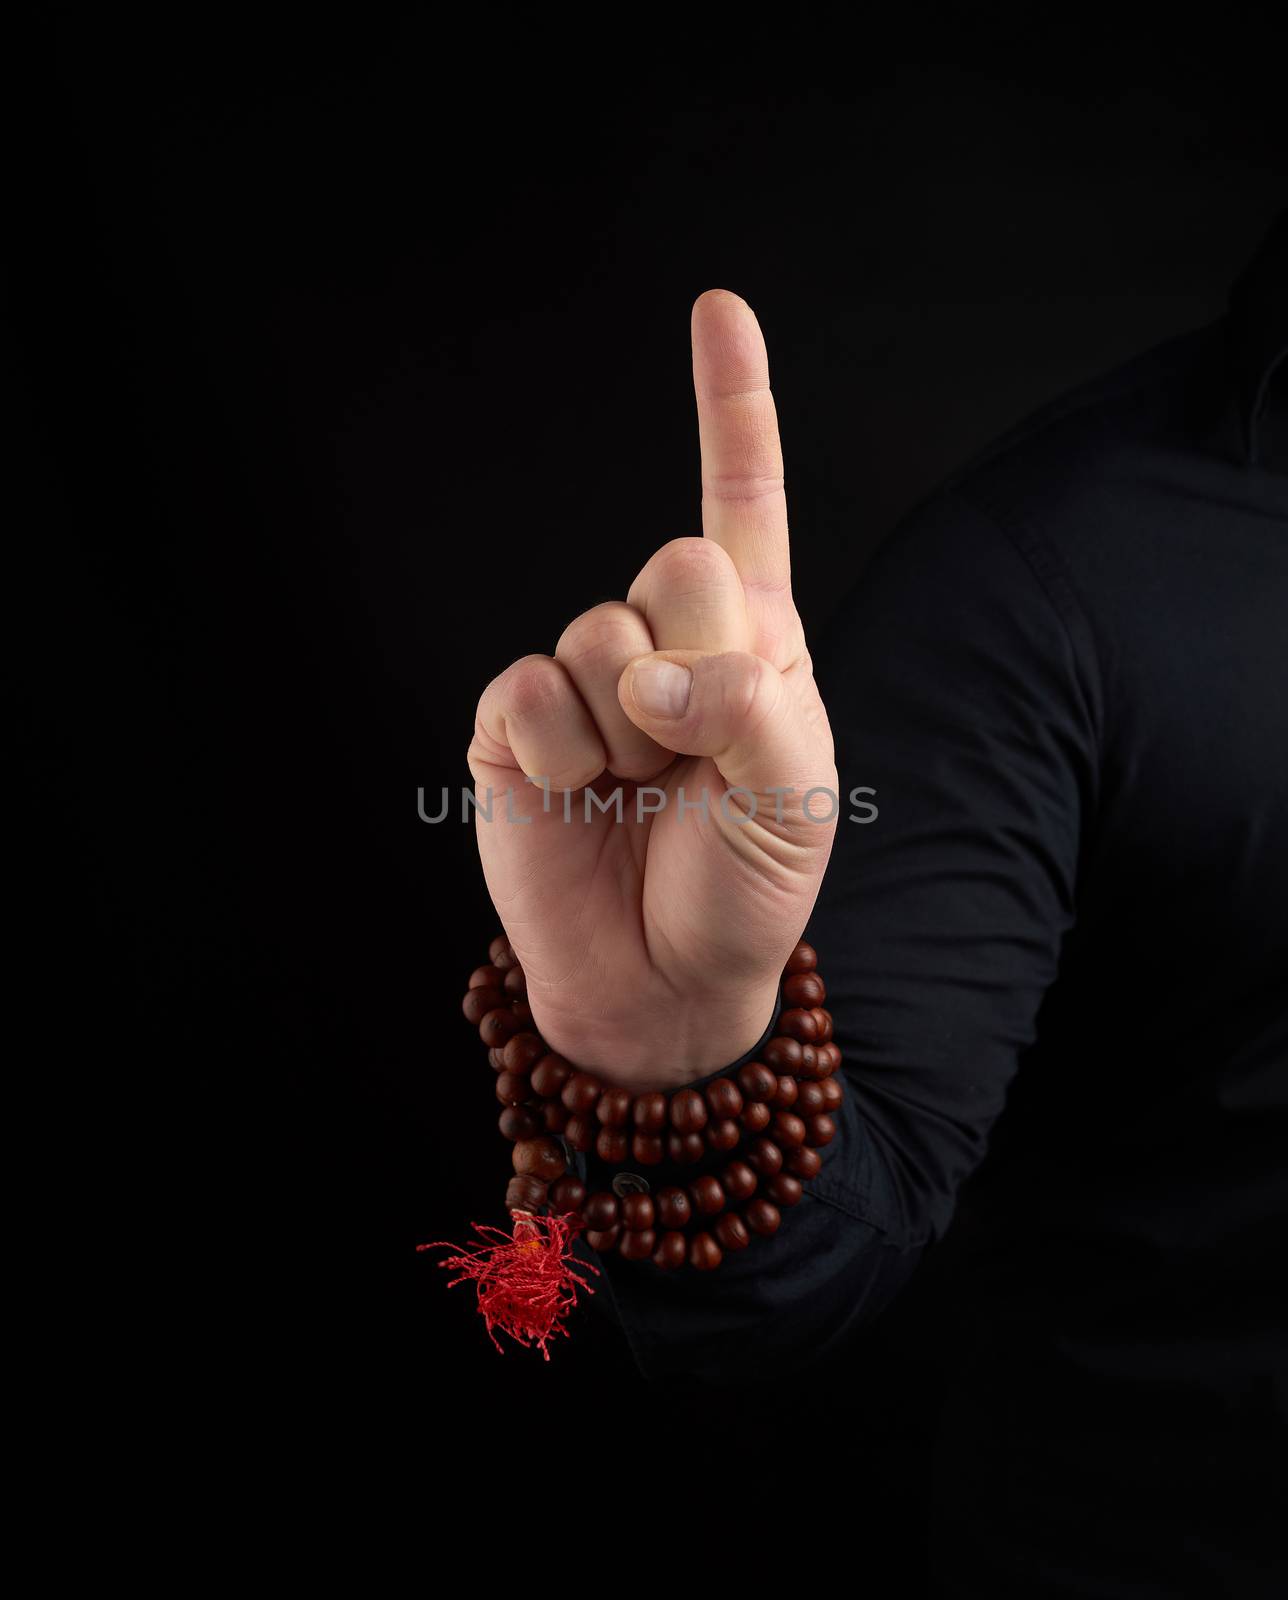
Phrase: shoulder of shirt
(1042, 482)
(1042, 486)
(1172, 396)
(1163, 405)
(1148, 419)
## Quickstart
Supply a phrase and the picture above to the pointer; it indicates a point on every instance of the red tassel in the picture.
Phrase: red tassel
(526, 1285)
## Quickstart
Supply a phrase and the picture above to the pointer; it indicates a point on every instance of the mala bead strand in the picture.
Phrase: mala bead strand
(759, 1129)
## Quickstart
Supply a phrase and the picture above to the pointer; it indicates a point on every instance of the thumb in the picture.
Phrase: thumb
(765, 730)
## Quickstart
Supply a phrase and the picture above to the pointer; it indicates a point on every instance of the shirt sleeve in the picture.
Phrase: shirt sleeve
(961, 695)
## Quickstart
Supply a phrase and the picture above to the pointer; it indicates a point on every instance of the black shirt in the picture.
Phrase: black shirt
(1058, 966)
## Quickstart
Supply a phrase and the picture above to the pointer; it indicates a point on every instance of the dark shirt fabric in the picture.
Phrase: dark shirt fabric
(1058, 967)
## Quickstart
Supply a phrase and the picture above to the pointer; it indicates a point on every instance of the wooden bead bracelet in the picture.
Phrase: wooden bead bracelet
(754, 1132)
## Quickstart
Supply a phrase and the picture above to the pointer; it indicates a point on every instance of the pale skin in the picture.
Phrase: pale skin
(653, 947)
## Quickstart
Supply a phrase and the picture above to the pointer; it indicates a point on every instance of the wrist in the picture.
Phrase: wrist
(681, 1178)
(666, 1046)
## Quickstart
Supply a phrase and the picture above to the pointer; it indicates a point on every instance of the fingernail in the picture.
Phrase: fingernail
(661, 689)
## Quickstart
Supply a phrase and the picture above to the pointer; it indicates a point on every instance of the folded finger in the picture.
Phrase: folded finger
(595, 649)
(532, 717)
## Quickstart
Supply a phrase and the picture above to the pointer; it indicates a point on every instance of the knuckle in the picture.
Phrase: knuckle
(690, 564)
(605, 632)
(733, 688)
(751, 690)
(533, 686)
(748, 689)
(576, 774)
(738, 486)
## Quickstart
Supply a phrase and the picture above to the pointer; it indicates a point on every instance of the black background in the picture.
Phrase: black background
(358, 360)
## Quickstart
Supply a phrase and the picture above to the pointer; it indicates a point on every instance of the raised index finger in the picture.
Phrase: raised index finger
(744, 507)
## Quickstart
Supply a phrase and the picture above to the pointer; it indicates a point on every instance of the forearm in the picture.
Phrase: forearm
(838, 1258)
(939, 927)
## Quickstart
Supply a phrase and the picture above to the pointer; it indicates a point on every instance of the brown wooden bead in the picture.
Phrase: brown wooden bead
(704, 1253)
(739, 1180)
(540, 1158)
(731, 1232)
(756, 1115)
(512, 1088)
(581, 1132)
(516, 1122)
(707, 1194)
(613, 1108)
(756, 1080)
(612, 1146)
(763, 1217)
(765, 1156)
(554, 1115)
(672, 1252)
(804, 1162)
(803, 959)
(688, 1111)
(788, 1089)
(810, 1100)
(724, 1098)
(522, 1052)
(722, 1135)
(788, 1128)
(650, 1113)
(804, 989)
(814, 1063)
(798, 1024)
(782, 1055)
(580, 1093)
(568, 1194)
(525, 1193)
(685, 1149)
(499, 944)
(637, 1245)
(478, 1002)
(782, 1104)
(646, 1149)
(498, 1025)
(603, 1210)
(674, 1208)
(549, 1076)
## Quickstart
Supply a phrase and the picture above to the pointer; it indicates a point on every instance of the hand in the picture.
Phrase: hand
(653, 946)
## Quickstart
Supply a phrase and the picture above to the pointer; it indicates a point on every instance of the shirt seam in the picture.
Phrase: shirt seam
(843, 1197)
(1048, 570)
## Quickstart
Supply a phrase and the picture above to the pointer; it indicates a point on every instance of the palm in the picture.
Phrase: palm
(651, 944)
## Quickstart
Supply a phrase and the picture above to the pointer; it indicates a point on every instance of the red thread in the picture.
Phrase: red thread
(526, 1286)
